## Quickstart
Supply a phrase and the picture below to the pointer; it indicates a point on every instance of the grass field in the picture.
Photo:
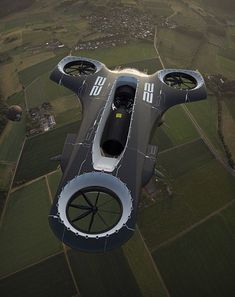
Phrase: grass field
(25, 234)
(177, 48)
(178, 127)
(206, 113)
(142, 267)
(103, 274)
(54, 180)
(205, 61)
(25, 60)
(50, 278)
(206, 188)
(160, 138)
(11, 141)
(29, 74)
(185, 158)
(201, 263)
(17, 99)
(196, 194)
(226, 66)
(229, 218)
(44, 90)
(35, 159)
(133, 52)
(6, 171)
(164, 219)
(9, 80)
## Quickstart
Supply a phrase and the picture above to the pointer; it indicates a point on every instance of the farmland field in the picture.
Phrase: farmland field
(196, 194)
(9, 80)
(54, 180)
(29, 74)
(133, 52)
(201, 263)
(205, 113)
(11, 141)
(50, 278)
(44, 90)
(35, 160)
(25, 229)
(185, 158)
(109, 274)
(206, 188)
(160, 138)
(178, 127)
(6, 171)
(142, 267)
(229, 218)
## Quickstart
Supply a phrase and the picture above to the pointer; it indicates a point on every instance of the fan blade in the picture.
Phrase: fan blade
(102, 219)
(85, 214)
(80, 206)
(91, 222)
(86, 198)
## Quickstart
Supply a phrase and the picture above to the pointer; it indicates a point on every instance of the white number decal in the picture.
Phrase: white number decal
(148, 92)
(96, 89)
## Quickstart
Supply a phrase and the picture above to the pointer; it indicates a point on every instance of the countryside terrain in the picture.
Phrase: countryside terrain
(184, 244)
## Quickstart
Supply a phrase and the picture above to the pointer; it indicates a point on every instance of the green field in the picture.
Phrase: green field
(6, 171)
(11, 141)
(206, 113)
(142, 267)
(25, 234)
(177, 48)
(50, 278)
(160, 138)
(229, 217)
(17, 99)
(201, 263)
(44, 90)
(54, 180)
(32, 73)
(133, 52)
(178, 127)
(196, 194)
(106, 274)
(183, 159)
(35, 160)
(206, 188)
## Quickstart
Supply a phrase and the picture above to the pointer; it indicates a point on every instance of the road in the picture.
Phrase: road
(202, 134)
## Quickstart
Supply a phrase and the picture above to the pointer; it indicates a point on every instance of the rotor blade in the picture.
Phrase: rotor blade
(77, 66)
(85, 214)
(109, 211)
(91, 221)
(80, 206)
(102, 219)
(97, 197)
(86, 198)
(106, 202)
(68, 71)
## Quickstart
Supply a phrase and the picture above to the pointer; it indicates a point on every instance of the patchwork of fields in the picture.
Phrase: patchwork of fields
(185, 240)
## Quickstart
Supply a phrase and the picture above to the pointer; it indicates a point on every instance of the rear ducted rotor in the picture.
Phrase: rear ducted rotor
(94, 210)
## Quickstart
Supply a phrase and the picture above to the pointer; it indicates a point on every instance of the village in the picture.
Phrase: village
(40, 119)
(126, 26)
